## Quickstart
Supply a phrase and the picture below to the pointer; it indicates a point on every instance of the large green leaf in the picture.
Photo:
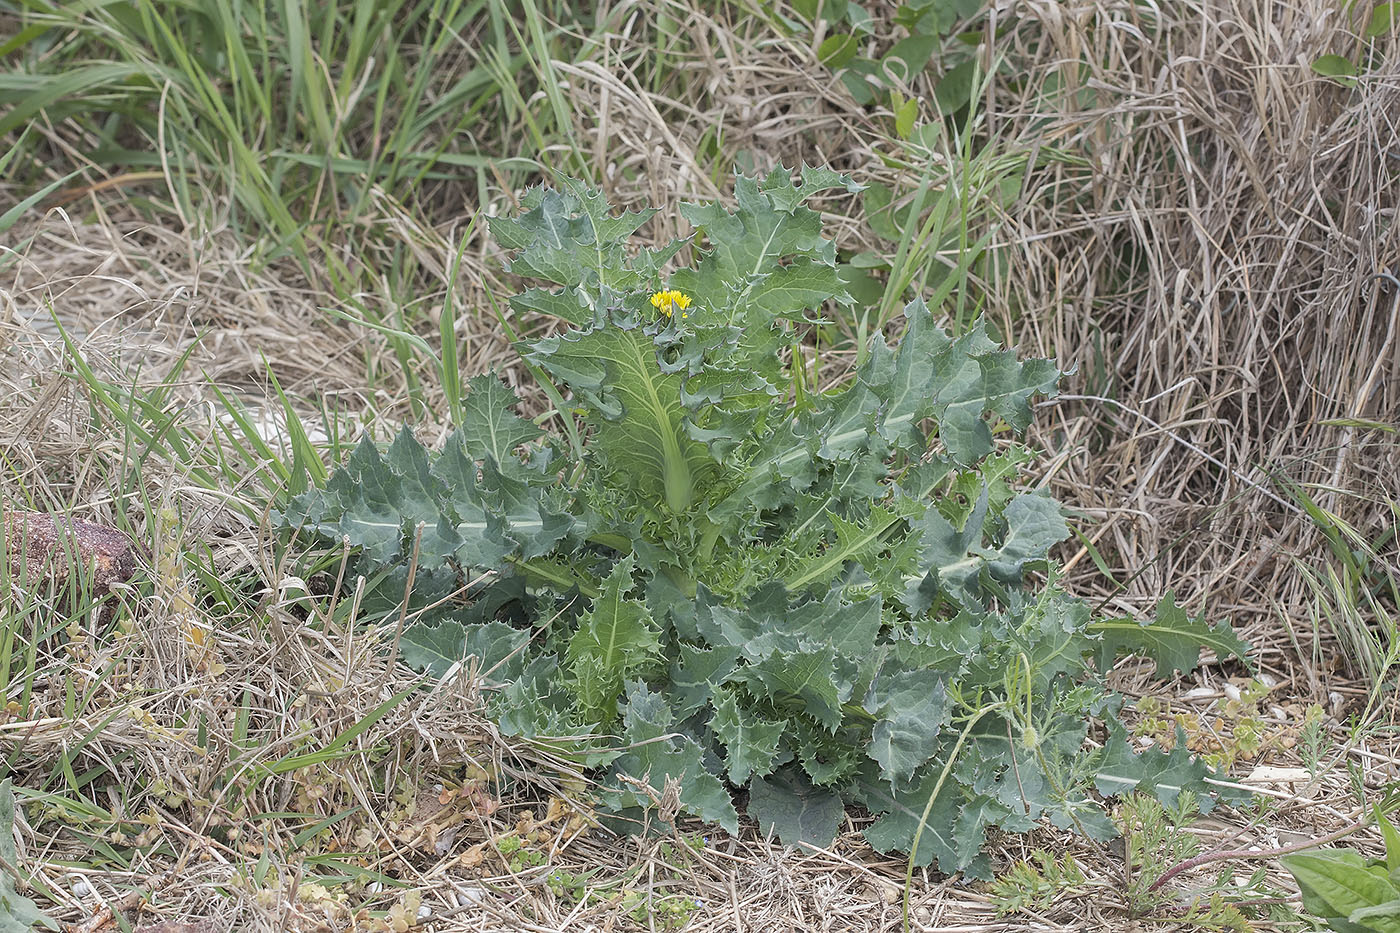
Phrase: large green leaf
(697, 673)
(1151, 771)
(1171, 639)
(1337, 884)
(615, 640)
(786, 804)
(952, 560)
(435, 648)
(640, 439)
(801, 681)
(911, 707)
(736, 277)
(490, 427)
(900, 808)
(654, 753)
(955, 381)
(569, 238)
(750, 741)
(378, 501)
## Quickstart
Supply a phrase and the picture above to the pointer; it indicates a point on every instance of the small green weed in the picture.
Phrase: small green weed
(1156, 835)
(1038, 883)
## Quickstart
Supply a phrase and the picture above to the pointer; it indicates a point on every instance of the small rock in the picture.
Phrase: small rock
(40, 548)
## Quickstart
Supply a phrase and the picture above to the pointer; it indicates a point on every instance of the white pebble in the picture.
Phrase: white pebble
(81, 888)
(1267, 680)
(1199, 693)
(1232, 692)
(424, 913)
(468, 896)
(374, 887)
(1146, 741)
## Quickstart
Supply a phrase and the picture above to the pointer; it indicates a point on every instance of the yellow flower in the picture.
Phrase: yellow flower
(668, 301)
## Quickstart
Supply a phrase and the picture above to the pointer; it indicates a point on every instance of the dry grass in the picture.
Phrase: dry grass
(1201, 237)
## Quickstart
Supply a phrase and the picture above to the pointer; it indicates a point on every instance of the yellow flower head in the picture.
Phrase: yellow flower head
(668, 301)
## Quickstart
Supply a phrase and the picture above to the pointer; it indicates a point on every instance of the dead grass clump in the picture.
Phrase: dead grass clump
(1210, 238)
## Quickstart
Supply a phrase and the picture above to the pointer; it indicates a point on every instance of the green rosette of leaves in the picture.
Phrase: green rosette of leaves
(711, 567)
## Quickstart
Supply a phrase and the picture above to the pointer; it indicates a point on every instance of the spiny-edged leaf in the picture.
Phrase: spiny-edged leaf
(536, 706)
(18, 914)
(668, 602)
(1151, 771)
(855, 541)
(377, 502)
(900, 809)
(654, 753)
(815, 179)
(495, 645)
(481, 534)
(787, 805)
(801, 681)
(565, 304)
(849, 627)
(848, 424)
(750, 741)
(531, 516)
(764, 624)
(636, 409)
(420, 496)
(1000, 769)
(490, 427)
(952, 560)
(785, 462)
(954, 381)
(568, 238)
(1053, 627)
(697, 673)
(1034, 525)
(769, 622)
(615, 639)
(947, 563)
(1336, 883)
(1171, 639)
(829, 760)
(911, 707)
(970, 834)
(594, 205)
(789, 290)
(770, 224)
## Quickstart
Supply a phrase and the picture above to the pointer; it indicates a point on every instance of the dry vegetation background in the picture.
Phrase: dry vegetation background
(1207, 233)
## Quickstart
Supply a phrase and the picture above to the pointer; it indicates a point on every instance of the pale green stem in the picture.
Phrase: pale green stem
(928, 807)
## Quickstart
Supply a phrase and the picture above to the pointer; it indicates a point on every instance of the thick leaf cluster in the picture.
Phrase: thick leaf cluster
(820, 596)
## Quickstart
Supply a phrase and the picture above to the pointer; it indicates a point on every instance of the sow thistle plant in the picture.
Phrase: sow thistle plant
(715, 571)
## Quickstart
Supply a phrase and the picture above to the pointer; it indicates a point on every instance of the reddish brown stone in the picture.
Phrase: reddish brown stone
(38, 548)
